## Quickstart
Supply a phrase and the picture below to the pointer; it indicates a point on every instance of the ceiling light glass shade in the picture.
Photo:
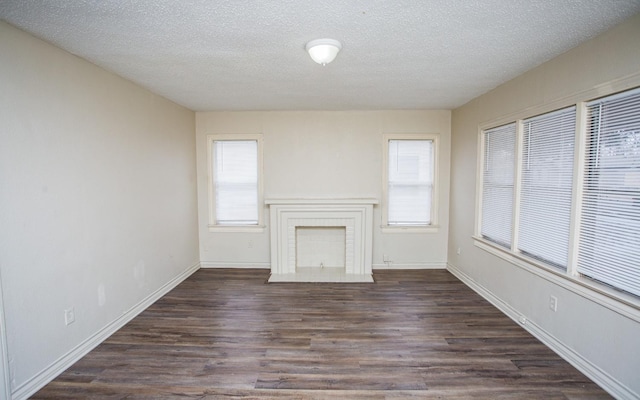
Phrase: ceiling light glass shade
(323, 51)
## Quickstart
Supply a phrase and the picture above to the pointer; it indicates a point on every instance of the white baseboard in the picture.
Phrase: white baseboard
(226, 264)
(592, 371)
(392, 265)
(266, 265)
(61, 364)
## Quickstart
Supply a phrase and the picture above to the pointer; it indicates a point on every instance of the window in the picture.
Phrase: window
(498, 180)
(609, 249)
(235, 184)
(410, 180)
(579, 218)
(547, 178)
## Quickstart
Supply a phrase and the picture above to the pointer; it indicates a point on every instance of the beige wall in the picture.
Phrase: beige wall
(324, 154)
(97, 183)
(602, 339)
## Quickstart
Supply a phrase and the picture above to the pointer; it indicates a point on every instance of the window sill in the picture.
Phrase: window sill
(617, 301)
(237, 228)
(409, 229)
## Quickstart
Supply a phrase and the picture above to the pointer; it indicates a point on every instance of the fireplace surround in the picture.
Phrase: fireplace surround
(289, 215)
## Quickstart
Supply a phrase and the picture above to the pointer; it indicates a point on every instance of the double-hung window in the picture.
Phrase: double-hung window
(235, 184)
(498, 176)
(410, 180)
(609, 249)
(546, 188)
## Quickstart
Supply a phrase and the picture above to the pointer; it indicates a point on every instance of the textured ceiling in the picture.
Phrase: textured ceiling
(249, 55)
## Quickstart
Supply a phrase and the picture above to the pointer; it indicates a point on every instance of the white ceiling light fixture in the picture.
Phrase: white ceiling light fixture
(323, 51)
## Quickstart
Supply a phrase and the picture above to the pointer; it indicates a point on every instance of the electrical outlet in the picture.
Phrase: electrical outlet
(385, 258)
(553, 303)
(69, 316)
(522, 320)
(459, 251)
(250, 245)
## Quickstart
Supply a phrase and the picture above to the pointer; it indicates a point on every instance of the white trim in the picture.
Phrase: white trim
(237, 228)
(391, 265)
(210, 192)
(233, 264)
(45, 376)
(409, 229)
(613, 97)
(619, 302)
(5, 376)
(480, 165)
(328, 200)
(517, 186)
(577, 190)
(386, 137)
(592, 371)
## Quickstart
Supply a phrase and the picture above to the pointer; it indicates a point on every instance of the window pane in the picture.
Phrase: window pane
(497, 187)
(609, 248)
(235, 182)
(547, 175)
(410, 183)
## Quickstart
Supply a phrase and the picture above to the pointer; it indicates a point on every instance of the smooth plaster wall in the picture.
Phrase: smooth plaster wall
(98, 198)
(606, 339)
(324, 154)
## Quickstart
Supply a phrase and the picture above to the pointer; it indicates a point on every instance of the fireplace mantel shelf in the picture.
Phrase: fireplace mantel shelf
(322, 201)
(289, 214)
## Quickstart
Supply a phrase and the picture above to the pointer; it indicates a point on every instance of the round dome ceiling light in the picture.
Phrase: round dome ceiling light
(323, 51)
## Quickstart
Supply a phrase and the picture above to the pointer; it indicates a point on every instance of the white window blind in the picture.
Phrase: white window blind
(410, 185)
(609, 247)
(235, 182)
(547, 176)
(497, 187)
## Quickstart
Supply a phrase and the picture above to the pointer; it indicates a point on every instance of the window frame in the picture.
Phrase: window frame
(482, 169)
(412, 228)
(527, 179)
(619, 301)
(213, 226)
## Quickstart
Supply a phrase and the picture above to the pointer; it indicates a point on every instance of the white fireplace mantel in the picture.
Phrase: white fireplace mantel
(354, 215)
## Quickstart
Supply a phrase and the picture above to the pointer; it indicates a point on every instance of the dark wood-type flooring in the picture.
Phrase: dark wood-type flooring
(413, 334)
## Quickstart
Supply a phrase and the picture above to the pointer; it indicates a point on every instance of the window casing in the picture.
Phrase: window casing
(576, 195)
(410, 181)
(235, 182)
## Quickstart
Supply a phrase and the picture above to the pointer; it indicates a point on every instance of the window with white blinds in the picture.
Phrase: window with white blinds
(410, 182)
(609, 247)
(546, 186)
(497, 186)
(235, 182)
(545, 209)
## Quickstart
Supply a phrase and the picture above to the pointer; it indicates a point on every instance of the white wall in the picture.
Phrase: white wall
(324, 154)
(603, 341)
(97, 184)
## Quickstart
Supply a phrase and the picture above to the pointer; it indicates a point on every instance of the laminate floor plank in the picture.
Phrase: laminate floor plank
(414, 334)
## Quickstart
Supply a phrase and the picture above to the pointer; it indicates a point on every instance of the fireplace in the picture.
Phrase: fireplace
(321, 240)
